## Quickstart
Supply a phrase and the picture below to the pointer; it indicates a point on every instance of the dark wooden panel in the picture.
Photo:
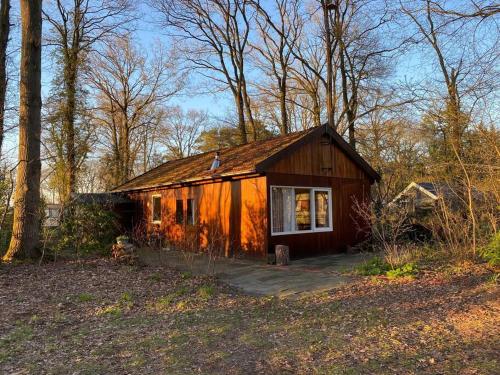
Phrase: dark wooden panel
(235, 218)
(319, 157)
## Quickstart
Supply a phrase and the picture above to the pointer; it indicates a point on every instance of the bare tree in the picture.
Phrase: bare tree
(346, 68)
(76, 27)
(393, 148)
(54, 141)
(465, 66)
(215, 34)
(25, 229)
(365, 49)
(4, 39)
(150, 135)
(181, 131)
(308, 82)
(330, 45)
(130, 88)
(475, 9)
(279, 31)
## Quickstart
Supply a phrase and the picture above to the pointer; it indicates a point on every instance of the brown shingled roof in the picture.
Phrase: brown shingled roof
(234, 161)
(249, 158)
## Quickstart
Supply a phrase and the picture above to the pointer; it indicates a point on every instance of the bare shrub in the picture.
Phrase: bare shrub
(207, 238)
(143, 235)
(215, 246)
(464, 221)
(189, 244)
(388, 228)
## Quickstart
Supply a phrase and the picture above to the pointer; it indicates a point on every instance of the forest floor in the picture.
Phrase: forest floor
(98, 317)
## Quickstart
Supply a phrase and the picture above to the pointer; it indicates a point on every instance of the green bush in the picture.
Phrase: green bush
(491, 252)
(85, 229)
(373, 267)
(407, 270)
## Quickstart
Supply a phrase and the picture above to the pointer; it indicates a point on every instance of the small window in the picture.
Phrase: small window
(179, 211)
(53, 213)
(190, 212)
(156, 214)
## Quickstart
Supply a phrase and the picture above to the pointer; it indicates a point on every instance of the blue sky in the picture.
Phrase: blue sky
(413, 67)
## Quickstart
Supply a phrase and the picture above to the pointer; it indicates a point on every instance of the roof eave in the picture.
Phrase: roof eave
(213, 177)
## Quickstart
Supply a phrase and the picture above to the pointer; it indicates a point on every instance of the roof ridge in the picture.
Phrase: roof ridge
(222, 150)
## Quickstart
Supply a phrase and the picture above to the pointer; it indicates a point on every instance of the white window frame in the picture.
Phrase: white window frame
(312, 205)
(153, 208)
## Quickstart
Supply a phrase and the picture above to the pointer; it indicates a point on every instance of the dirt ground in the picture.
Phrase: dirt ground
(97, 317)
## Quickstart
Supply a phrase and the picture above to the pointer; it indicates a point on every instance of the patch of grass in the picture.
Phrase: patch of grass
(167, 300)
(126, 297)
(152, 342)
(407, 270)
(126, 300)
(112, 310)
(255, 340)
(186, 275)
(373, 267)
(181, 305)
(181, 291)
(14, 340)
(84, 297)
(164, 301)
(493, 279)
(155, 277)
(206, 291)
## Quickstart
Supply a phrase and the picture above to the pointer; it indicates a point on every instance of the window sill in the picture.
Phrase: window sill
(318, 230)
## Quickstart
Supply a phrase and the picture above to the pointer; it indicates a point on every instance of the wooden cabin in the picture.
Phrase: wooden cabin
(296, 190)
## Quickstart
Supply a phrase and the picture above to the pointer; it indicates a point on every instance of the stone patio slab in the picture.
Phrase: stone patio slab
(301, 277)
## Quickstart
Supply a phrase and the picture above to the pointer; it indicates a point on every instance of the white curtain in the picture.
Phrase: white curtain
(288, 206)
(282, 206)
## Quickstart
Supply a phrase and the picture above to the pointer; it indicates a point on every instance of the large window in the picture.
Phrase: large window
(300, 209)
(156, 209)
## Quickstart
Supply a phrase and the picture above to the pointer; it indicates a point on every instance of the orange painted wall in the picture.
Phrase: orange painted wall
(230, 215)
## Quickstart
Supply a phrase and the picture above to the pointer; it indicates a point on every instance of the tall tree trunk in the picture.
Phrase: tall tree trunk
(326, 5)
(285, 129)
(248, 108)
(26, 225)
(316, 109)
(347, 104)
(456, 121)
(345, 98)
(240, 108)
(4, 39)
(70, 74)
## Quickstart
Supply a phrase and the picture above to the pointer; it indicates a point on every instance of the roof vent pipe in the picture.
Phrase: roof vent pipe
(216, 162)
